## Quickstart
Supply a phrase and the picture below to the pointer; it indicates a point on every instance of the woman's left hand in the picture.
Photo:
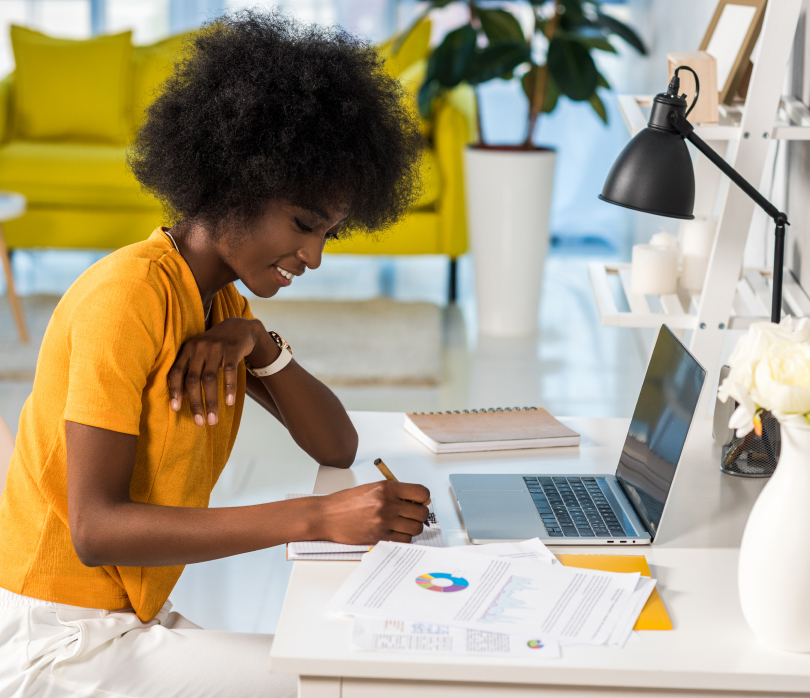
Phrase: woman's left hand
(196, 369)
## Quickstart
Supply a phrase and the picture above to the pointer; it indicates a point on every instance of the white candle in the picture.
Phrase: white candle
(664, 239)
(693, 271)
(697, 236)
(655, 269)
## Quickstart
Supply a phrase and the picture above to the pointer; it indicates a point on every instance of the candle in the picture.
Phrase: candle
(697, 236)
(693, 271)
(655, 269)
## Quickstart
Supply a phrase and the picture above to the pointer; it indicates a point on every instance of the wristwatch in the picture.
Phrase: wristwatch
(283, 358)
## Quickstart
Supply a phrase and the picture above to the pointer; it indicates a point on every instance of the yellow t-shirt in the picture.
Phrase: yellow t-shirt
(104, 362)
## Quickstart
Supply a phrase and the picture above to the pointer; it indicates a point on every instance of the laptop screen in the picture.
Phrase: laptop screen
(664, 411)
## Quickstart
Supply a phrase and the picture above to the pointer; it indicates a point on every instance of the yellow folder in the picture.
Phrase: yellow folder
(653, 616)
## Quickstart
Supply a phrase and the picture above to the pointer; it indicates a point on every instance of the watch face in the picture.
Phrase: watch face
(278, 339)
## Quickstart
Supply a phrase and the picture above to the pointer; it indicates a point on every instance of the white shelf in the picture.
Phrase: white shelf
(752, 301)
(792, 122)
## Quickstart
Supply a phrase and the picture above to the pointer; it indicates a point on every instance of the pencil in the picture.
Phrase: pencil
(388, 475)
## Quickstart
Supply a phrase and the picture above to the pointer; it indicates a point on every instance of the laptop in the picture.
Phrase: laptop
(626, 507)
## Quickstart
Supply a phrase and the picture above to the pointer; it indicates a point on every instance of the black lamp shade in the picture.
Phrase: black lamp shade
(653, 174)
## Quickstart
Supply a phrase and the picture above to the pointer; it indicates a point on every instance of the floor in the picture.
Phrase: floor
(574, 366)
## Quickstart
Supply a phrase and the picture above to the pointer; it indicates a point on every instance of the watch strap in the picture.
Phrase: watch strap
(283, 359)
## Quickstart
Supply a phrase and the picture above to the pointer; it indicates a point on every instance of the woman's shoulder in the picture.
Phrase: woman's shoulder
(138, 265)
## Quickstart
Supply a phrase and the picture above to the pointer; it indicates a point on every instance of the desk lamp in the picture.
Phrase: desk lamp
(654, 173)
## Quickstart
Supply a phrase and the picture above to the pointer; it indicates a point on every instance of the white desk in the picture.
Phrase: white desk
(711, 651)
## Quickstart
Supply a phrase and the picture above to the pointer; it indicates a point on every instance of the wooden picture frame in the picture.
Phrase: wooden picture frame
(732, 34)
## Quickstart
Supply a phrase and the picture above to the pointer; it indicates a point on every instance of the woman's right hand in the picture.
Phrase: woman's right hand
(370, 513)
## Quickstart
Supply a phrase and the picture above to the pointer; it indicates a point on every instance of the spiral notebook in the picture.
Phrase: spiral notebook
(494, 429)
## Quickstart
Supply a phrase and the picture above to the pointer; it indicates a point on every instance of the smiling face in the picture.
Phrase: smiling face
(282, 243)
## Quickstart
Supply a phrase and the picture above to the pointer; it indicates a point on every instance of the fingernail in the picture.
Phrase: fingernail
(212, 418)
(229, 399)
(175, 405)
(198, 420)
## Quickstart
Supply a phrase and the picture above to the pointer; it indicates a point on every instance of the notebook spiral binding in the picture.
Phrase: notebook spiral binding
(483, 409)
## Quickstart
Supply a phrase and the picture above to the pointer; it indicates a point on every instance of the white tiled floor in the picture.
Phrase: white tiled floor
(573, 367)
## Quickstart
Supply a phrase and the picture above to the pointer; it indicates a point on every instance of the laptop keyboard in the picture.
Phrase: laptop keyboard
(573, 507)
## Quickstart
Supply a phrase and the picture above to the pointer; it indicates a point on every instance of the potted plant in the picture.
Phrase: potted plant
(509, 186)
(770, 371)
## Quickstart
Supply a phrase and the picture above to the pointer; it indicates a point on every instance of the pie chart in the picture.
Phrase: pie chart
(535, 644)
(441, 581)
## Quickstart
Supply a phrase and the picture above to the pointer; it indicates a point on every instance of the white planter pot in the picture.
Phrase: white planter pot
(508, 204)
(774, 573)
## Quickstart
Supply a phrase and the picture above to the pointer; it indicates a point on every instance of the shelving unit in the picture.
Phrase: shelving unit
(742, 136)
(680, 310)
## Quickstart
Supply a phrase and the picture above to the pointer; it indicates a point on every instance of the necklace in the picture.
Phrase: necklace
(174, 242)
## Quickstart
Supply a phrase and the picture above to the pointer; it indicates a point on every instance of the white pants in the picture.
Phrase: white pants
(50, 650)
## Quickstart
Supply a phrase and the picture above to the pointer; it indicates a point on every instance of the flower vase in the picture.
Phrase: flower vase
(774, 569)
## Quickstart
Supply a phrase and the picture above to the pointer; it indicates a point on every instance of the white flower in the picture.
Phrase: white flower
(770, 369)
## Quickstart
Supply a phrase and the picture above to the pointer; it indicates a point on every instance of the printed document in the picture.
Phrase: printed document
(379, 635)
(519, 597)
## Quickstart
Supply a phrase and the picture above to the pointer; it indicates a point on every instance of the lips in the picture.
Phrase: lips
(283, 276)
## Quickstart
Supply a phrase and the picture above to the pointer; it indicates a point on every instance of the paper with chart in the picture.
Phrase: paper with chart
(327, 550)
(379, 635)
(483, 592)
(535, 550)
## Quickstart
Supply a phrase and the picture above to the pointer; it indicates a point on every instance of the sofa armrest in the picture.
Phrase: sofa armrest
(6, 85)
(454, 128)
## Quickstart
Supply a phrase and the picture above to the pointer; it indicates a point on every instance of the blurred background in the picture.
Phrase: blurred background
(381, 327)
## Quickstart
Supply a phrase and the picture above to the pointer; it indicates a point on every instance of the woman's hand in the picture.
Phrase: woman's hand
(370, 513)
(196, 369)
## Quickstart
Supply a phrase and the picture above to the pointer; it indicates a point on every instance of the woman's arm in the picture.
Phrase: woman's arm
(311, 412)
(108, 528)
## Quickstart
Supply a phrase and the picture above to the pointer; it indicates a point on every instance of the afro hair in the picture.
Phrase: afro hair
(262, 108)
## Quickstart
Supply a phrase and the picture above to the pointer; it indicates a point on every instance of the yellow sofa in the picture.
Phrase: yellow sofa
(81, 195)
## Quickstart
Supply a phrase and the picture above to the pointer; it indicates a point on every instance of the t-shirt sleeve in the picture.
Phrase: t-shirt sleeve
(114, 335)
(246, 314)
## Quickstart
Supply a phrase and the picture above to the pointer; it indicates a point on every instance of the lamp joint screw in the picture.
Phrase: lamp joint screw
(702, 325)
(746, 134)
(721, 326)
(765, 135)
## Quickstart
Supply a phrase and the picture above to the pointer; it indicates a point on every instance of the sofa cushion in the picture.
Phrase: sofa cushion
(415, 47)
(431, 180)
(71, 174)
(151, 65)
(71, 90)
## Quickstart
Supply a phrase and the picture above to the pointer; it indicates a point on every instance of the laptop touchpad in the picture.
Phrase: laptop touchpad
(499, 515)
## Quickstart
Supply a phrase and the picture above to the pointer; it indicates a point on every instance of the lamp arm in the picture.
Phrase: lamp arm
(688, 132)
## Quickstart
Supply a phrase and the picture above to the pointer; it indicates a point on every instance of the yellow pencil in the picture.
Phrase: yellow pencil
(388, 475)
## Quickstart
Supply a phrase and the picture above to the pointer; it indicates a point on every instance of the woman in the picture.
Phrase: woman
(269, 140)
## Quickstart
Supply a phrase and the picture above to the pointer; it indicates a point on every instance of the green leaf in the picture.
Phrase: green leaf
(552, 90)
(496, 60)
(573, 69)
(432, 5)
(602, 82)
(594, 41)
(552, 95)
(450, 61)
(599, 107)
(573, 11)
(500, 25)
(620, 29)
(429, 92)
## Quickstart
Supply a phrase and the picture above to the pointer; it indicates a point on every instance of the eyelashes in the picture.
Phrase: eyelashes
(303, 227)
